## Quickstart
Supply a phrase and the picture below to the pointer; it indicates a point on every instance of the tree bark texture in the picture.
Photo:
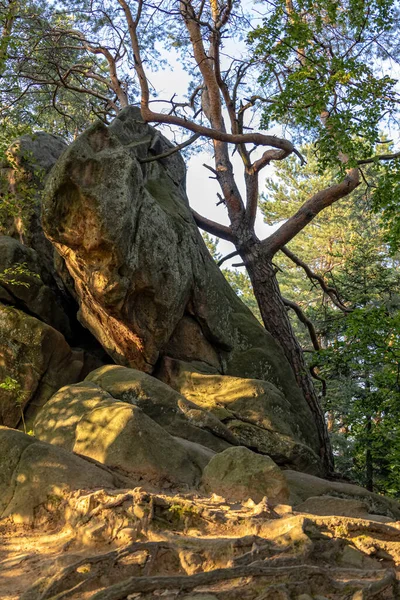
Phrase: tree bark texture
(276, 320)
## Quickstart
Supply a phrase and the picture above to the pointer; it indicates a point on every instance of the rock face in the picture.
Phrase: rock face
(30, 471)
(146, 284)
(28, 162)
(240, 474)
(165, 406)
(39, 359)
(85, 419)
(214, 411)
(256, 413)
(30, 292)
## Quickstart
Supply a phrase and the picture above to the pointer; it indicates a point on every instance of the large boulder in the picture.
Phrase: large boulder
(303, 486)
(254, 411)
(145, 282)
(31, 471)
(38, 360)
(85, 419)
(239, 474)
(168, 408)
(23, 173)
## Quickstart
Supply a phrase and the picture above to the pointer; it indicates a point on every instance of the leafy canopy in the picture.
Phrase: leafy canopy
(328, 71)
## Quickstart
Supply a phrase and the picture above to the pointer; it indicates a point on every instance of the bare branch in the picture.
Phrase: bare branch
(315, 375)
(378, 157)
(329, 291)
(227, 257)
(305, 320)
(171, 151)
(213, 227)
(309, 211)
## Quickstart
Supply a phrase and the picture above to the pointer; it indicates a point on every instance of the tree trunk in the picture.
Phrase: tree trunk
(369, 463)
(276, 320)
(369, 467)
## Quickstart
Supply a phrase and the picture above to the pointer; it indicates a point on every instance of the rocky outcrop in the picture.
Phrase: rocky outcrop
(28, 290)
(214, 411)
(85, 419)
(304, 486)
(146, 284)
(29, 159)
(256, 413)
(171, 410)
(38, 360)
(31, 471)
(240, 474)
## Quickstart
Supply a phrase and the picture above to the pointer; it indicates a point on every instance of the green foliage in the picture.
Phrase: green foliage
(360, 356)
(386, 200)
(36, 89)
(12, 275)
(13, 387)
(326, 72)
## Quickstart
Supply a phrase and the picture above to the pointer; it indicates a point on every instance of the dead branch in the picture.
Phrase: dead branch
(329, 291)
(305, 320)
(227, 257)
(171, 151)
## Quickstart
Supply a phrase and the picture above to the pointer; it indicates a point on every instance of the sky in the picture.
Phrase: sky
(201, 189)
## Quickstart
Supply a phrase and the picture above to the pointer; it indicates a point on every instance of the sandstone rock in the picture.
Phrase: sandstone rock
(85, 419)
(38, 358)
(29, 159)
(123, 437)
(30, 292)
(239, 474)
(303, 486)
(198, 454)
(331, 505)
(30, 471)
(145, 282)
(56, 422)
(254, 411)
(164, 405)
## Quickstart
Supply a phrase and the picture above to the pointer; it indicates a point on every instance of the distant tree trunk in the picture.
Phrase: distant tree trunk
(276, 320)
(369, 467)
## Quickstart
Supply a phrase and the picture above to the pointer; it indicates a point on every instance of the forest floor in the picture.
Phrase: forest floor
(133, 544)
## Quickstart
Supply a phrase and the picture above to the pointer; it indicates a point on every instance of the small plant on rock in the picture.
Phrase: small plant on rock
(12, 385)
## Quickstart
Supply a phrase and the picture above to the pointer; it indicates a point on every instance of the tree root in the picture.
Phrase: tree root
(121, 591)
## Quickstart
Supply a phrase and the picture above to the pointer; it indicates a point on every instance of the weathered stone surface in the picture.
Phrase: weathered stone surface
(254, 411)
(164, 405)
(85, 419)
(239, 474)
(23, 173)
(303, 486)
(30, 471)
(145, 281)
(29, 159)
(38, 358)
(30, 293)
(123, 437)
(56, 422)
(331, 505)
